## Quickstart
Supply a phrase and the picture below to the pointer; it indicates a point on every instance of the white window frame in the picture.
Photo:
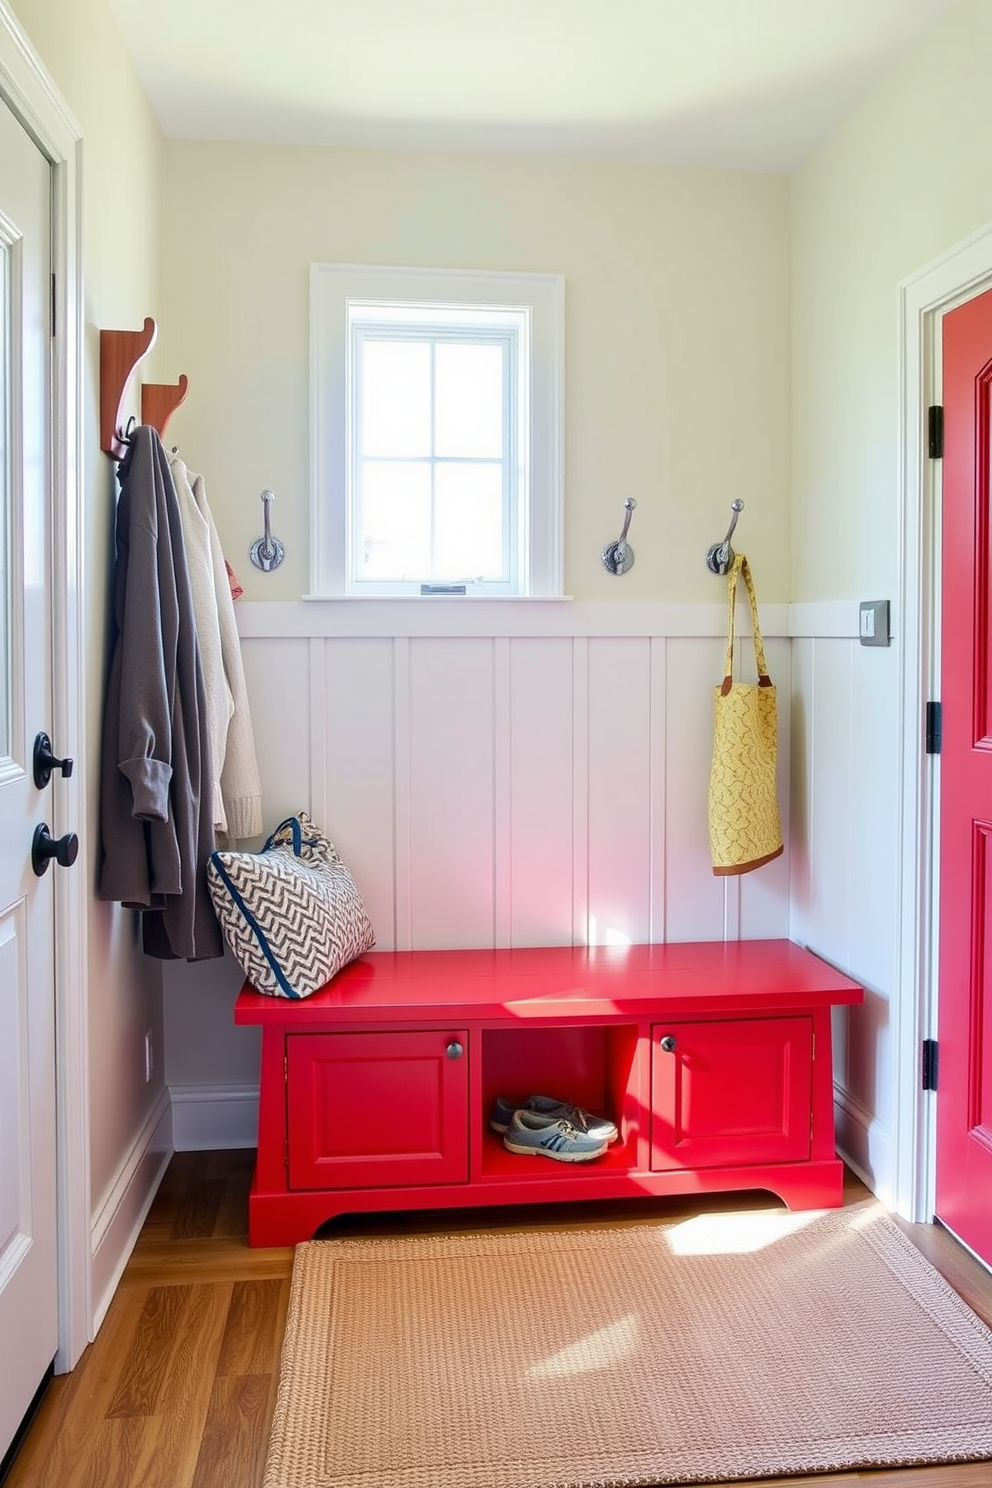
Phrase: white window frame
(336, 287)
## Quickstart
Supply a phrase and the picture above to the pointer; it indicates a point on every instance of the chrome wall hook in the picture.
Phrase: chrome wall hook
(720, 557)
(618, 557)
(267, 552)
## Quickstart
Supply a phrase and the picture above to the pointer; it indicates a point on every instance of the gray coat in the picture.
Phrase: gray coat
(156, 814)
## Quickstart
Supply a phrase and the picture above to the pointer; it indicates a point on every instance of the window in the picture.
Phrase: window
(436, 432)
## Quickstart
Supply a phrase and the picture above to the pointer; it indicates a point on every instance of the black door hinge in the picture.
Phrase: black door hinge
(935, 727)
(935, 432)
(53, 307)
(929, 1064)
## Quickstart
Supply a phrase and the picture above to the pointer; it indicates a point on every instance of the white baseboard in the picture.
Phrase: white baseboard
(211, 1117)
(866, 1145)
(117, 1223)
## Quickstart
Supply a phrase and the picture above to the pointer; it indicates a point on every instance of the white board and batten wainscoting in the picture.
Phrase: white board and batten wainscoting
(509, 773)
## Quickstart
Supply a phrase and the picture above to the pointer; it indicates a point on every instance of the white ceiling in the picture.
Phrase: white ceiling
(734, 84)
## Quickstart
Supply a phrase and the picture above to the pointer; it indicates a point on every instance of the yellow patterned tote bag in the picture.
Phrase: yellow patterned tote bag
(745, 829)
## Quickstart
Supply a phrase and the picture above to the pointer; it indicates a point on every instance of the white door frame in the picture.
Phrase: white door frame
(29, 91)
(957, 275)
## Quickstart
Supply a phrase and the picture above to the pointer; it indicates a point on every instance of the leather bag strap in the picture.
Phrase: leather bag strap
(742, 569)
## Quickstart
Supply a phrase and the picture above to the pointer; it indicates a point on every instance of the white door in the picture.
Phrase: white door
(28, 1257)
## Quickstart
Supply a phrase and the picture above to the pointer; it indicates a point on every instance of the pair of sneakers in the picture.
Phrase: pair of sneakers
(544, 1126)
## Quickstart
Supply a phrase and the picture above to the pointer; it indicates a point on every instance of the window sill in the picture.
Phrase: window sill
(419, 599)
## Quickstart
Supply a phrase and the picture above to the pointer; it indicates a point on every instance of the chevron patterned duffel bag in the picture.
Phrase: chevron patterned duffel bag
(292, 913)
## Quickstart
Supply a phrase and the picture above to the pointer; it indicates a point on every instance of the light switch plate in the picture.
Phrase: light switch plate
(873, 622)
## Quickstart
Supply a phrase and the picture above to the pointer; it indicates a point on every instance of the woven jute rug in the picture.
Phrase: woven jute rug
(722, 1347)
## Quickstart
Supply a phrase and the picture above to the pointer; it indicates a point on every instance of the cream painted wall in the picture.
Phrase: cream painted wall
(908, 175)
(80, 45)
(677, 326)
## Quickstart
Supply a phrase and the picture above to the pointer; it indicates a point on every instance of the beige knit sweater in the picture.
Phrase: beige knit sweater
(239, 781)
(220, 703)
(239, 784)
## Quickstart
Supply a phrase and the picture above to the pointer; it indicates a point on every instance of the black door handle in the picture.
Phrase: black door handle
(45, 762)
(44, 847)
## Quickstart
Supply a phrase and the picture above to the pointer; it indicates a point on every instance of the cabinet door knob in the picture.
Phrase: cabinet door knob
(668, 1043)
(455, 1050)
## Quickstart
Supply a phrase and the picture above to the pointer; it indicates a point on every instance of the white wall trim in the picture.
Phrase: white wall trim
(823, 619)
(212, 1117)
(580, 791)
(30, 92)
(413, 618)
(118, 1220)
(954, 277)
(402, 846)
(502, 794)
(657, 804)
(317, 699)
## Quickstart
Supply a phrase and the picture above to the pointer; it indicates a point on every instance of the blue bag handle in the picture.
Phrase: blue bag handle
(294, 823)
(296, 827)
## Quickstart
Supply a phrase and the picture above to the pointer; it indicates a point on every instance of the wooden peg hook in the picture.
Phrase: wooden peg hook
(120, 353)
(159, 401)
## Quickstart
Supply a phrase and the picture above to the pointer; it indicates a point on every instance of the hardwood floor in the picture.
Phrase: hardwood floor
(179, 1387)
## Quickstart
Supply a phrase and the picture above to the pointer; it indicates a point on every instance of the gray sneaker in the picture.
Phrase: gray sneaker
(536, 1136)
(552, 1110)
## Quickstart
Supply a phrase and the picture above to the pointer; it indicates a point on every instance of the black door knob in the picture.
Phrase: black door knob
(45, 762)
(668, 1044)
(44, 847)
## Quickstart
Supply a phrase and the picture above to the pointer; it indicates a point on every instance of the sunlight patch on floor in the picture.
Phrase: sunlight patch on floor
(599, 1350)
(734, 1234)
(870, 1213)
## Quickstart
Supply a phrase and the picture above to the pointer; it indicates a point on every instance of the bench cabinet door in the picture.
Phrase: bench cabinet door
(371, 1110)
(731, 1092)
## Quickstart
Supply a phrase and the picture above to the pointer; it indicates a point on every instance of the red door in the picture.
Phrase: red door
(964, 1088)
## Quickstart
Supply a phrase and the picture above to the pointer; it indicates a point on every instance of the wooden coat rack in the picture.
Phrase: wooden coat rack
(120, 353)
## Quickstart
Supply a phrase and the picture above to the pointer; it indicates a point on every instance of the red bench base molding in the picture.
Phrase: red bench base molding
(713, 1059)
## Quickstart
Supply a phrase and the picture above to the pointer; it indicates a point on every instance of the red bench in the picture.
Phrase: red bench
(713, 1058)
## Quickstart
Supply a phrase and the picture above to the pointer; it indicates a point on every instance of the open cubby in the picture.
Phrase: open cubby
(589, 1065)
